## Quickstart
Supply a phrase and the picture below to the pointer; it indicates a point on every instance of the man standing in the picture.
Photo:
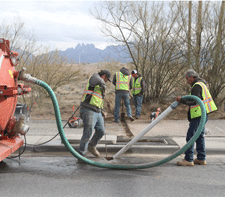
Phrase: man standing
(91, 112)
(199, 89)
(122, 82)
(138, 85)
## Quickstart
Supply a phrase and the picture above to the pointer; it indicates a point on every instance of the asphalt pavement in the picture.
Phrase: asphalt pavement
(50, 169)
(165, 137)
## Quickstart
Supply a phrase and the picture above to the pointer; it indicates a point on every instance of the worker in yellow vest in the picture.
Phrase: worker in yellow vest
(138, 88)
(123, 84)
(91, 112)
(199, 89)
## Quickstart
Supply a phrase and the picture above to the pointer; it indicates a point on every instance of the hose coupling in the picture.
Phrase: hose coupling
(26, 77)
(20, 127)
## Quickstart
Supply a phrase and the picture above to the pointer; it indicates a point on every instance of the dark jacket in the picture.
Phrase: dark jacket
(125, 71)
(94, 80)
(196, 91)
(142, 85)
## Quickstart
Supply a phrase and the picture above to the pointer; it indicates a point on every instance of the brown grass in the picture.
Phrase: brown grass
(70, 95)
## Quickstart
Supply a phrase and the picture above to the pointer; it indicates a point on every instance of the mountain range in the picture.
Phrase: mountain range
(90, 54)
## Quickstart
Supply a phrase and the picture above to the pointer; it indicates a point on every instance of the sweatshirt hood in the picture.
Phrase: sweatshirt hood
(125, 71)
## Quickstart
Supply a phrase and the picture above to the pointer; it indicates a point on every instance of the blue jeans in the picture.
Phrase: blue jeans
(200, 142)
(126, 99)
(138, 104)
(92, 120)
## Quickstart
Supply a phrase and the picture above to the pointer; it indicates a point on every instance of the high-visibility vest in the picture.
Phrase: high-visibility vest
(195, 110)
(122, 81)
(136, 86)
(96, 96)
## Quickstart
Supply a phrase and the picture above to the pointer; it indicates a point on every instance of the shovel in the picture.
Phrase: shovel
(122, 115)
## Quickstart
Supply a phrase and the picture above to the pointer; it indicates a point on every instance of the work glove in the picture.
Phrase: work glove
(104, 114)
(103, 95)
(103, 92)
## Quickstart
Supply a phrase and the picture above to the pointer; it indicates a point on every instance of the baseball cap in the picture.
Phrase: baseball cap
(107, 73)
(133, 72)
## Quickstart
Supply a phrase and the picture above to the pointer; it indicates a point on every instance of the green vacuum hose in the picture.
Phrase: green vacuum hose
(118, 166)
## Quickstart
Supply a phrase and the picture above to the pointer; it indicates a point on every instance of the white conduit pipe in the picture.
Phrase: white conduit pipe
(150, 126)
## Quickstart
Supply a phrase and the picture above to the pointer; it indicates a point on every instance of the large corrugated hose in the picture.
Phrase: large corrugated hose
(120, 166)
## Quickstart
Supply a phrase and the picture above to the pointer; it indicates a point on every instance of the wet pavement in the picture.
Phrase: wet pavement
(51, 170)
(63, 176)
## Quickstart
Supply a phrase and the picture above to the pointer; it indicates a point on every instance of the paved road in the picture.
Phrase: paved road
(64, 177)
(60, 174)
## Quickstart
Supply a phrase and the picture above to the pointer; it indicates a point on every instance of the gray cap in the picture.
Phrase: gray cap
(191, 73)
(107, 73)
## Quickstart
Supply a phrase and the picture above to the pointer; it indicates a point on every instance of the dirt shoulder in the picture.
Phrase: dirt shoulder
(67, 110)
(69, 97)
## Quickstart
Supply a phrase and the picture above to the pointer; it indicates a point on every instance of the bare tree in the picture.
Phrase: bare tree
(204, 41)
(48, 67)
(51, 68)
(189, 34)
(216, 73)
(21, 40)
(198, 37)
(149, 33)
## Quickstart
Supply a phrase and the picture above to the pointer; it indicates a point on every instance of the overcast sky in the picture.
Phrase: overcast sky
(58, 24)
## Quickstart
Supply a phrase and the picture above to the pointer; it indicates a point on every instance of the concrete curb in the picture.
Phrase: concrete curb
(141, 148)
(165, 138)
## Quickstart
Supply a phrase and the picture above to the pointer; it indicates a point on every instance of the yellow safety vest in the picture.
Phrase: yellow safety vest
(122, 81)
(96, 96)
(136, 86)
(195, 110)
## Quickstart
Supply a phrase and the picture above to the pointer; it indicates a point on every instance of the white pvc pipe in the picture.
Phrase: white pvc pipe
(150, 126)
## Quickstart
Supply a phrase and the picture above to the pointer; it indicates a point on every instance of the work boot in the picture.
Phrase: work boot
(82, 153)
(200, 162)
(185, 163)
(131, 118)
(93, 150)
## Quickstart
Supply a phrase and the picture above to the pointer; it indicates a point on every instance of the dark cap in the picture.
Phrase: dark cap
(107, 73)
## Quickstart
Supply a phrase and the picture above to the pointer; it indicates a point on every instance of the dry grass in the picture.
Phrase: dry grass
(70, 95)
